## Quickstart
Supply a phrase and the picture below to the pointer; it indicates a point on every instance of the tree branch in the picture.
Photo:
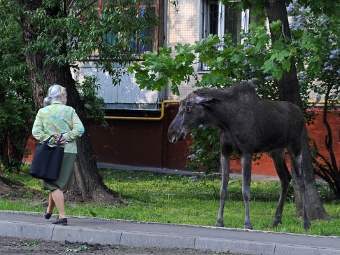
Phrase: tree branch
(329, 138)
(324, 160)
(17, 19)
(87, 6)
(70, 4)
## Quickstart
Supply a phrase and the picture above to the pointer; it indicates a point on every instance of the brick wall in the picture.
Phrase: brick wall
(317, 133)
(143, 143)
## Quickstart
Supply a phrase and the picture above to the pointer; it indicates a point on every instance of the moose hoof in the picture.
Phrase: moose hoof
(306, 225)
(276, 223)
(248, 226)
(219, 223)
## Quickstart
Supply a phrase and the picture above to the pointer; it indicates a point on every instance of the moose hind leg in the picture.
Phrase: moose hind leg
(298, 169)
(284, 175)
(246, 174)
(224, 160)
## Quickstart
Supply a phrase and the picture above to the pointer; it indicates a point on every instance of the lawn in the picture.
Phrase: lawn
(184, 200)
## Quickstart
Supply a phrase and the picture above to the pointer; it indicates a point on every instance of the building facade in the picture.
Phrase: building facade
(137, 120)
(180, 21)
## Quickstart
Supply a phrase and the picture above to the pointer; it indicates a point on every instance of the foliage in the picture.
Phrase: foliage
(15, 93)
(76, 31)
(205, 140)
(256, 57)
(329, 8)
(317, 40)
(320, 62)
(163, 68)
(185, 200)
(62, 33)
(65, 33)
(94, 105)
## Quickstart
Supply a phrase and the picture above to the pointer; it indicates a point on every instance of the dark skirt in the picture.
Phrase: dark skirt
(65, 175)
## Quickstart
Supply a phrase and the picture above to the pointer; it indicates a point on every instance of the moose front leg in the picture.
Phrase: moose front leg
(298, 170)
(224, 160)
(284, 175)
(246, 174)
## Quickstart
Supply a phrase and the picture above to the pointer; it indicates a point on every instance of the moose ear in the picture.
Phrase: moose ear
(202, 100)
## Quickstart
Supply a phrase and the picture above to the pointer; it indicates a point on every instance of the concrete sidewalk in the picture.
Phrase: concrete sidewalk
(134, 234)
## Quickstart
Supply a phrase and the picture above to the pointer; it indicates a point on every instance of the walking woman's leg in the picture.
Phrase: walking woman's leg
(51, 204)
(58, 197)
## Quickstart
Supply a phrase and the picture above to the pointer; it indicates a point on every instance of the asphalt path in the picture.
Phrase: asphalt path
(154, 235)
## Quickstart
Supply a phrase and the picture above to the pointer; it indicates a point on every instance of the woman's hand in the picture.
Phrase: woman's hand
(59, 138)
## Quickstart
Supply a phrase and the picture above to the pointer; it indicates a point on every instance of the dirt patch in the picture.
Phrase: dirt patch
(17, 246)
(13, 190)
(4, 187)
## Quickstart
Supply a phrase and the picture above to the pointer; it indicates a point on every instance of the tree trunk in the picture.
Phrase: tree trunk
(4, 150)
(4, 187)
(16, 144)
(87, 182)
(289, 91)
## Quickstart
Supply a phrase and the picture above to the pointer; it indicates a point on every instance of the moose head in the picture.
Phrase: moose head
(192, 113)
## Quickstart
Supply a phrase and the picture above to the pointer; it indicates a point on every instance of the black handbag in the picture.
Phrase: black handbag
(47, 160)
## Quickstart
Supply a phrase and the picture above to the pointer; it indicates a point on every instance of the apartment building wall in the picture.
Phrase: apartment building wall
(184, 25)
(184, 22)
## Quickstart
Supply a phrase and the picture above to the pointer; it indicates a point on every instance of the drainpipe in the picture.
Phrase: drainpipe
(164, 102)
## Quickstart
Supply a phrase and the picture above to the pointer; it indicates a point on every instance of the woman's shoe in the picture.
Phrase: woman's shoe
(47, 215)
(62, 221)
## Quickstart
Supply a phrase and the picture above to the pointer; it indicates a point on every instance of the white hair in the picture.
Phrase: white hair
(55, 93)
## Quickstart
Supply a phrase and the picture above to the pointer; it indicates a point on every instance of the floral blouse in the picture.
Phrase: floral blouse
(56, 119)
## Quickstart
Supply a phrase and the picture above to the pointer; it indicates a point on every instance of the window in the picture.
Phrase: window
(148, 39)
(127, 96)
(218, 19)
(145, 40)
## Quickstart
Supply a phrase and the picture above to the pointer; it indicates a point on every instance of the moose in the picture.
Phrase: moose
(248, 125)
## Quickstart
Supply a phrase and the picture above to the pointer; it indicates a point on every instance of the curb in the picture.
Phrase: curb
(171, 171)
(150, 169)
(144, 239)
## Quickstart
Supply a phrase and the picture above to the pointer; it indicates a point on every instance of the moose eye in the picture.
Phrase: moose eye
(188, 108)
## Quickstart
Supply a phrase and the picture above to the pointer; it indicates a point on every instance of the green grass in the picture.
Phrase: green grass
(184, 200)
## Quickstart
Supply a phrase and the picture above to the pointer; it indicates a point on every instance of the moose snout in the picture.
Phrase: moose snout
(172, 137)
(175, 135)
(176, 130)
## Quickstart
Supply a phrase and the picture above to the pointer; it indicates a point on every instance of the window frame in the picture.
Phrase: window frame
(155, 34)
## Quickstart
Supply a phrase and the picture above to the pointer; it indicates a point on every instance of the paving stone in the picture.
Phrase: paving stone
(154, 240)
(86, 235)
(244, 247)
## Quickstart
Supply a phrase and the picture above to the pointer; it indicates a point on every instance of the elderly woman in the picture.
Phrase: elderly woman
(61, 122)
